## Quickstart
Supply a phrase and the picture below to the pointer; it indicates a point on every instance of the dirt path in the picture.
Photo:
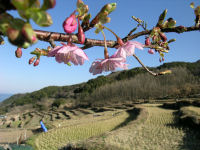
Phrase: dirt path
(158, 132)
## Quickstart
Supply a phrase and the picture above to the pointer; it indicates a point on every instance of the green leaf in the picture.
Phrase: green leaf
(20, 4)
(34, 3)
(41, 18)
(29, 34)
(5, 20)
(48, 4)
(192, 5)
(17, 23)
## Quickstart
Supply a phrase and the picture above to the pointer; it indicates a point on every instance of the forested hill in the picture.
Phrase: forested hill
(136, 83)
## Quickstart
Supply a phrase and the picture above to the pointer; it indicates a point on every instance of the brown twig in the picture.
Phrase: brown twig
(151, 72)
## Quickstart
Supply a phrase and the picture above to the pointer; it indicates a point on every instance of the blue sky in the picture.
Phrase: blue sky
(17, 76)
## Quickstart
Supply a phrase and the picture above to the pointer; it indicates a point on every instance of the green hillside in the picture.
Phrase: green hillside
(130, 84)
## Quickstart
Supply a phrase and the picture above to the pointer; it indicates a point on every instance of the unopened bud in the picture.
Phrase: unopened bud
(197, 11)
(109, 8)
(151, 51)
(172, 40)
(163, 36)
(162, 18)
(36, 63)
(81, 34)
(70, 24)
(147, 41)
(31, 60)
(171, 23)
(18, 52)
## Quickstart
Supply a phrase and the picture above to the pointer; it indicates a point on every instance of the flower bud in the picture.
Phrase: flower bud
(36, 63)
(163, 36)
(147, 41)
(162, 18)
(70, 24)
(172, 40)
(151, 51)
(81, 35)
(109, 7)
(171, 23)
(31, 60)
(18, 52)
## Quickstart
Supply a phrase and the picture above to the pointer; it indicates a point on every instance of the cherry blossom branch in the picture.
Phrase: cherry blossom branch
(46, 36)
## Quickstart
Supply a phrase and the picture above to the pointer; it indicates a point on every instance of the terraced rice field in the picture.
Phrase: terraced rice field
(195, 109)
(154, 129)
(158, 132)
(79, 129)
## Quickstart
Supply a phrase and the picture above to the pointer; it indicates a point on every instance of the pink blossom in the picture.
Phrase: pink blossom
(67, 53)
(109, 64)
(151, 51)
(70, 24)
(128, 49)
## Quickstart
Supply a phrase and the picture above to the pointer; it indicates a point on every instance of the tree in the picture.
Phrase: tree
(21, 34)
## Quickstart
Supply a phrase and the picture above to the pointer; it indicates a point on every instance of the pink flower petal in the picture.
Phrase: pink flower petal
(67, 53)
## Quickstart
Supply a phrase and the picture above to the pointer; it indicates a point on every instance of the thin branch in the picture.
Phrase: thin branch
(151, 72)
(86, 47)
(52, 43)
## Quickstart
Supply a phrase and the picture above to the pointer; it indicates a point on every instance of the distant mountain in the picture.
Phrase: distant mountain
(51, 95)
(4, 96)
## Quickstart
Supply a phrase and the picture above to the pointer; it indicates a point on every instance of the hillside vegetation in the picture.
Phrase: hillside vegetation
(129, 85)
